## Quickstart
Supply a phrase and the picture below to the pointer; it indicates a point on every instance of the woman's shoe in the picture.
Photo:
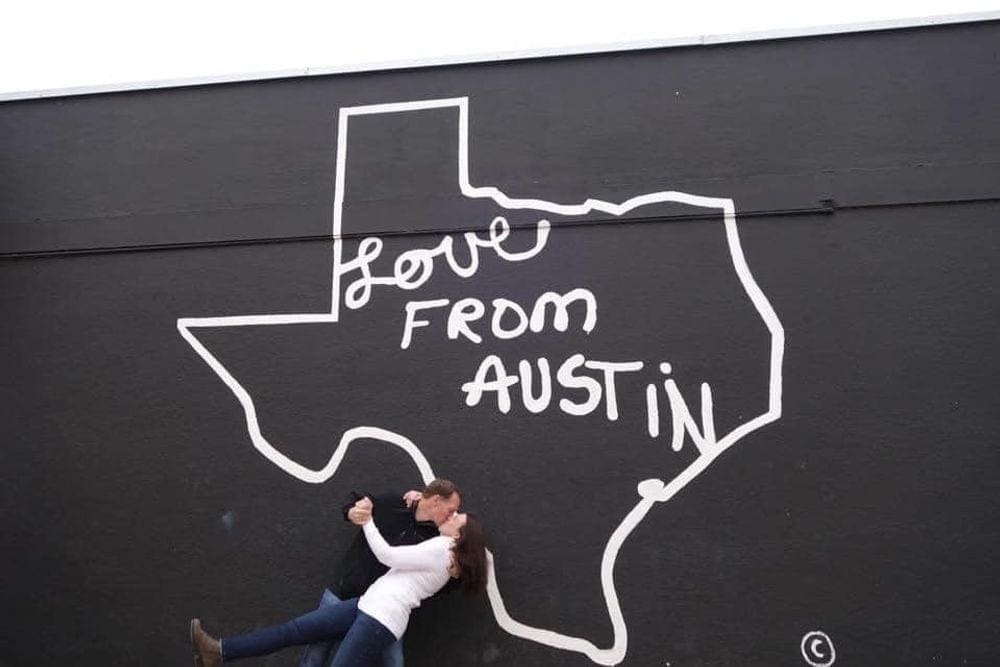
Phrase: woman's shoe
(207, 648)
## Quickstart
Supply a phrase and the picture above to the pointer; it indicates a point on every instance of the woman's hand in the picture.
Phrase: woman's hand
(361, 513)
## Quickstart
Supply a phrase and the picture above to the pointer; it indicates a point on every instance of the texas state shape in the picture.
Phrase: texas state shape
(389, 378)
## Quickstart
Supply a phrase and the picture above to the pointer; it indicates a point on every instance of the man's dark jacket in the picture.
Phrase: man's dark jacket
(398, 525)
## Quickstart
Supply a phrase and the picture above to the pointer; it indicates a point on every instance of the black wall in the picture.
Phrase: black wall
(865, 171)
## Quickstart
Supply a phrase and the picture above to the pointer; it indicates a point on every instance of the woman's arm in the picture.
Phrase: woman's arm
(424, 556)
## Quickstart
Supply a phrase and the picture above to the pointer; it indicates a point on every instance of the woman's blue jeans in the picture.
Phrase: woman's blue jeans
(321, 654)
(364, 638)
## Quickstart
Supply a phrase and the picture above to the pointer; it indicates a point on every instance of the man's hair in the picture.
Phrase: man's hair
(440, 487)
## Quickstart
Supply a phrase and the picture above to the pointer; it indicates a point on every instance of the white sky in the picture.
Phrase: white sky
(48, 44)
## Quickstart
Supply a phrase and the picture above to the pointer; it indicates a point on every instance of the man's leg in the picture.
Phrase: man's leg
(318, 654)
(321, 624)
(364, 643)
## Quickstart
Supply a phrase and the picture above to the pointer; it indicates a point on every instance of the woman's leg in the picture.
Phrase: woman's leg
(393, 656)
(364, 643)
(329, 622)
(320, 653)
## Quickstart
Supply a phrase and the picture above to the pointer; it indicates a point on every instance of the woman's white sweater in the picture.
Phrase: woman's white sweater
(416, 572)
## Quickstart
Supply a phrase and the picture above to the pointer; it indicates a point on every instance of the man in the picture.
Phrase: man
(409, 519)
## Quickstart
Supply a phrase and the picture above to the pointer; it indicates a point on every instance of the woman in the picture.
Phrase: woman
(379, 617)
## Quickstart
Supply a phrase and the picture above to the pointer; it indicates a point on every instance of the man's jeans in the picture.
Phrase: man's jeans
(321, 654)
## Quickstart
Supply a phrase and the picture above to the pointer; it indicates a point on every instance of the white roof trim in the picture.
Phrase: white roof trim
(462, 59)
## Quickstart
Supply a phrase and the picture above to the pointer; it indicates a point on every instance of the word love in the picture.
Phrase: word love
(412, 268)
(492, 377)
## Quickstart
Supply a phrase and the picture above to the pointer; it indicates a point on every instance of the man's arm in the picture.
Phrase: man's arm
(380, 504)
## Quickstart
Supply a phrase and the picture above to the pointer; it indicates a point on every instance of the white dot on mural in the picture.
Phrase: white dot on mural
(491, 653)
(229, 520)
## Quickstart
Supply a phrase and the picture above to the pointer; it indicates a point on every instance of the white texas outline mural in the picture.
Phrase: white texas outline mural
(650, 491)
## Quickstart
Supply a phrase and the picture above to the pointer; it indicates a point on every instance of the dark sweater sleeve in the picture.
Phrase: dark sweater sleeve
(386, 503)
(381, 503)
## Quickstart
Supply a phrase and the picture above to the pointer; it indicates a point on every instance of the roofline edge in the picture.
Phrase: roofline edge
(470, 59)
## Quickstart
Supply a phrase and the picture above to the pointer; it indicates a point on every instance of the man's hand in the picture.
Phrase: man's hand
(411, 497)
(361, 513)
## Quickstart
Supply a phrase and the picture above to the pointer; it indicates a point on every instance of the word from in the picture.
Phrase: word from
(471, 309)
(412, 268)
(492, 376)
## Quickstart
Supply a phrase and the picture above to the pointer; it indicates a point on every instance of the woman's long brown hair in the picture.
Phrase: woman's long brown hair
(470, 555)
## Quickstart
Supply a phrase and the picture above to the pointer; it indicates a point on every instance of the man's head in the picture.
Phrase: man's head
(438, 502)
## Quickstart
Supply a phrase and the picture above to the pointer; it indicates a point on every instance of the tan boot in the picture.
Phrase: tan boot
(207, 648)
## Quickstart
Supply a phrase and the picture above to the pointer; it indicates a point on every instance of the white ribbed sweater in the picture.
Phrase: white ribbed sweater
(416, 572)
